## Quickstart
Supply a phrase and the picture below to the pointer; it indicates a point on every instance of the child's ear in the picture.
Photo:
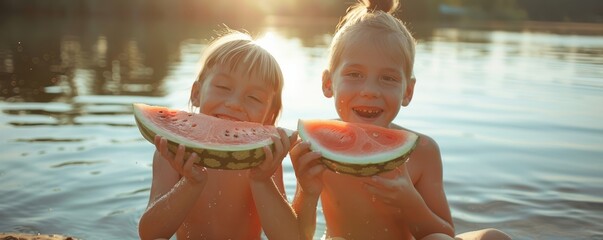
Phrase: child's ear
(410, 89)
(327, 84)
(195, 93)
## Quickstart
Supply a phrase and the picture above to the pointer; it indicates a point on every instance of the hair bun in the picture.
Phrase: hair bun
(388, 6)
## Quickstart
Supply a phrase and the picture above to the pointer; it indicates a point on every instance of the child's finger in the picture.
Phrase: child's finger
(375, 190)
(163, 149)
(157, 141)
(176, 160)
(269, 160)
(180, 154)
(299, 149)
(188, 165)
(379, 183)
(278, 145)
(286, 143)
(316, 170)
(307, 161)
(294, 137)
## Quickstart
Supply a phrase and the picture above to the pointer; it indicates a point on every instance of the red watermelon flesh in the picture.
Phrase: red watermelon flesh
(200, 130)
(218, 142)
(359, 149)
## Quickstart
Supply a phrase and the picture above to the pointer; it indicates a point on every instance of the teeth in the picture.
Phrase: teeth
(367, 111)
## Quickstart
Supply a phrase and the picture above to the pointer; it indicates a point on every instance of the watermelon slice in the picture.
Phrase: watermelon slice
(357, 149)
(220, 143)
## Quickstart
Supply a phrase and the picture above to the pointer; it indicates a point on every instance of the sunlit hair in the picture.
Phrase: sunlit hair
(239, 50)
(374, 19)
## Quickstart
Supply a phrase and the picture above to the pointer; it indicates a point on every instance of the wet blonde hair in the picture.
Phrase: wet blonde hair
(236, 49)
(374, 19)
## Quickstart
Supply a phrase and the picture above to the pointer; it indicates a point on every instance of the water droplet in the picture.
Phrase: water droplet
(373, 198)
(387, 230)
(219, 193)
(339, 110)
(375, 134)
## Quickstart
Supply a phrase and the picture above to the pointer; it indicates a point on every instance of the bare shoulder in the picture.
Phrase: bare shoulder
(427, 149)
(425, 159)
(427, 146)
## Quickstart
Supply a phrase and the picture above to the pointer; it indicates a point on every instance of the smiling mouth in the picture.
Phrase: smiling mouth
(368, 112)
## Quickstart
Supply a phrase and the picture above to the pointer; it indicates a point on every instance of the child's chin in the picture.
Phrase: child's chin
(373, 121)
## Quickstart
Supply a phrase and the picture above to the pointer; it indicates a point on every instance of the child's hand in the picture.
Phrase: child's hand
(393, 190)
(308, 168)
(273, 160)
(192, 172)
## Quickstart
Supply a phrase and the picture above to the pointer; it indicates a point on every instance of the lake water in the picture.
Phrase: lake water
(518, 115)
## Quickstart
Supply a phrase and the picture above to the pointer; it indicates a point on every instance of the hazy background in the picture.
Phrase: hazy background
(232, 10)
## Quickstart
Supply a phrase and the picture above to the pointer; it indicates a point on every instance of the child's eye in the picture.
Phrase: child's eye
(256, 99)
(354, 75)
(390, 79)
(222, 87)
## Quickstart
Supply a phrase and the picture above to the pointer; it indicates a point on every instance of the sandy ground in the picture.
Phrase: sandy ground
(27, 236)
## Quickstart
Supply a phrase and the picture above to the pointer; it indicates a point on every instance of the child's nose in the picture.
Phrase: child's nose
(233, 102)
(369, 90)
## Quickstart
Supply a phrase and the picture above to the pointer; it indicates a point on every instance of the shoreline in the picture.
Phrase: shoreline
(30, 236)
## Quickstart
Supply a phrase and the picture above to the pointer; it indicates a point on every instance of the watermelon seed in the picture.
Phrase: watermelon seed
(227, 131)
(236, 135)
(226, 134)
(185, 120)
(160, 111)
(194, 125)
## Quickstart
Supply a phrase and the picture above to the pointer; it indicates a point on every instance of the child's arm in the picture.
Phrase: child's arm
(172, 196)
(308, 171)
(266, 181)
(423, 205)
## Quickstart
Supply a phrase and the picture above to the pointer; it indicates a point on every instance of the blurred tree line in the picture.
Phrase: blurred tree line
(411, 10)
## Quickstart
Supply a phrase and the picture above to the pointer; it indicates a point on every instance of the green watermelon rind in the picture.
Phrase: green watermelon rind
(364, 165)
(366, 170)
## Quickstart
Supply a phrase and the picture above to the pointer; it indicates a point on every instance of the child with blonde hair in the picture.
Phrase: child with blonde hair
(240, 81)
(370, 77)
